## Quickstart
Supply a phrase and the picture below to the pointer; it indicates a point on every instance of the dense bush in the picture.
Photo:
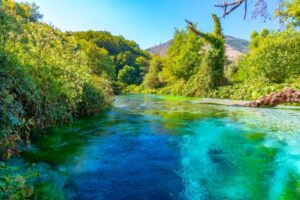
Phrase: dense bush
(19, 106)
(45, 77)
(252, 90)
(96, 96)
(128, 75)
(275, 56)
(93, 101)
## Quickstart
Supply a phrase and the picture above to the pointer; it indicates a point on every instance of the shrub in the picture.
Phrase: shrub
(127, 75)
(93, 101)
(276, 57)
(13, 184)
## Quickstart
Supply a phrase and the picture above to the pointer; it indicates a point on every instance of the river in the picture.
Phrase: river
(153, 147)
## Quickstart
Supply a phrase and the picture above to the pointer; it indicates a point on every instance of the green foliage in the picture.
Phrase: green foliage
(217, 26)
(12, 15)
(152, 80)
(274, 56)
(183, 54)
(13, 185)
(119, 53)
(215, 58)
(272, 63)
(128, 75)
(193, 65)
(95, 97)
(99, 59)
(252, 90)
(231, 70)
(45, 76)
(92, 100)
(201, 83)
(19, 106)
(57, 66)
(290, 11)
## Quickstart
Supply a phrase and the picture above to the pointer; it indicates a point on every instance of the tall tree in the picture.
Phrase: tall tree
(215, 57)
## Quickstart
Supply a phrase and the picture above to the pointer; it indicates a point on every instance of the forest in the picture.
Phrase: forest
(197, 66)
(49, 78)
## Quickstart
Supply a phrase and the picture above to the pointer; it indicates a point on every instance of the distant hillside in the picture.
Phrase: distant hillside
(236, 43)
(160, 49)
(234, 47)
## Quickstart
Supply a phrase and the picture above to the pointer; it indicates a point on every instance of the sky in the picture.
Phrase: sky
(147, 22)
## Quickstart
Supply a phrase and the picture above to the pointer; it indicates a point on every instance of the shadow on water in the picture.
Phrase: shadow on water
(152, 147)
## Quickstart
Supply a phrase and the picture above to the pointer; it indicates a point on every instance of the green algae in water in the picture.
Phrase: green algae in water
(57, 148)
(61, 145)
(48, 191)
(255, 137)
(292, 188)
(177, 98)
(217, 152)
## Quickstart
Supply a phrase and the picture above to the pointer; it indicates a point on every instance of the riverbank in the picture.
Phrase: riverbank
(221, 102)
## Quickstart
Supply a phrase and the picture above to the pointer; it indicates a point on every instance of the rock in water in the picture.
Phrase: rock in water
(288, 95)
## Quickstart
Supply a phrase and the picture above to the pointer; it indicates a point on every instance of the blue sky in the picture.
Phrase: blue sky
(148, 22)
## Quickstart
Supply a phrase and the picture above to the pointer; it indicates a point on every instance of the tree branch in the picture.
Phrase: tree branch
(260, 7)
(229, 7)
(226, 4)
(192, 27)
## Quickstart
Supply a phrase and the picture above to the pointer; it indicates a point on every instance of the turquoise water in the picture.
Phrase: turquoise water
(151, 147)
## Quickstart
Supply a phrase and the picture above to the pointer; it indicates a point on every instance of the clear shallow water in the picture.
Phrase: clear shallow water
(150, 147)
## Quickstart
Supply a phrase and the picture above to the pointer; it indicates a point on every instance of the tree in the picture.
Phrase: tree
(215, 56)
(8, 25)
(275, 56)
(152, 80)
(12, 16)
(99, 60)
(122, 52)
(141, 64)
(183, 55)
(127, 75)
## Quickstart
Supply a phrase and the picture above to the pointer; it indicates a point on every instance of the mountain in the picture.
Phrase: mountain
(234, 47)
(160, 49)
(237, 43)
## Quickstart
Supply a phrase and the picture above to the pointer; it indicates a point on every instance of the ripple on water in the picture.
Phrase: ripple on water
(152, 147)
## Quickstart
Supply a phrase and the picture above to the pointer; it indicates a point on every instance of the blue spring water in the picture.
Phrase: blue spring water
(151, 147)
